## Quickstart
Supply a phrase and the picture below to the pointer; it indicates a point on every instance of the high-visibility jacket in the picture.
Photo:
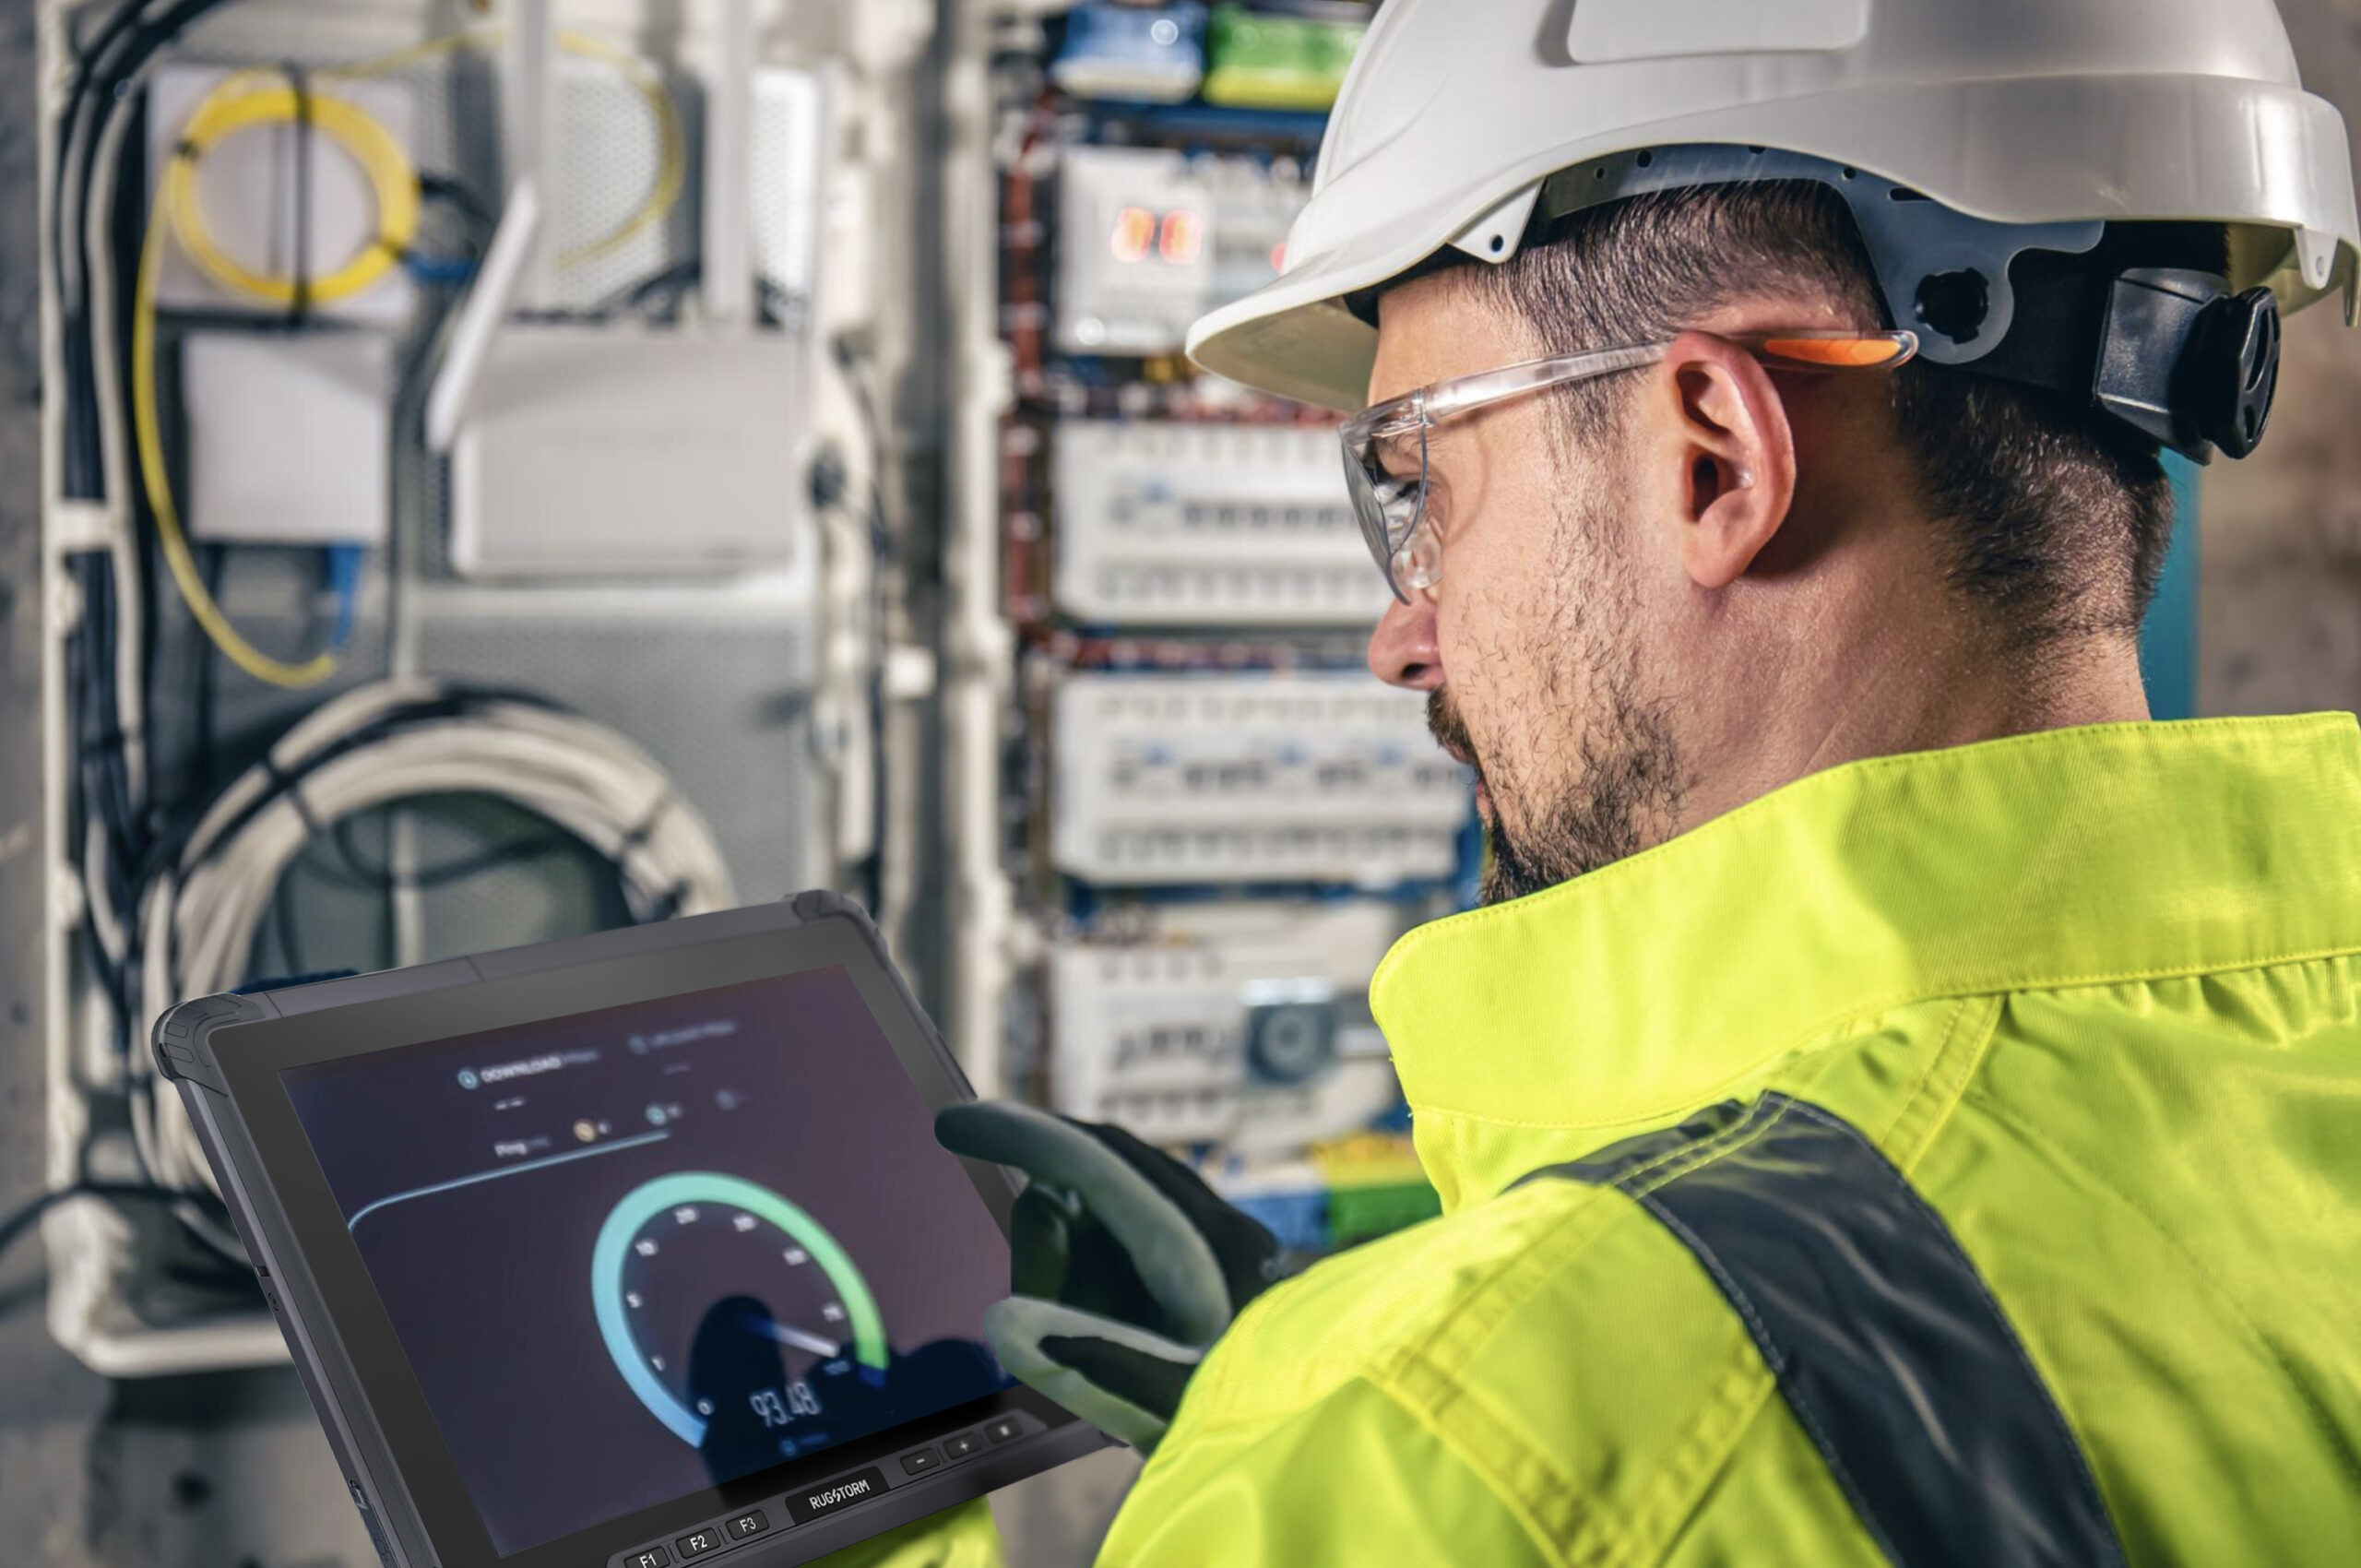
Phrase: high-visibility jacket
(1946, 1159)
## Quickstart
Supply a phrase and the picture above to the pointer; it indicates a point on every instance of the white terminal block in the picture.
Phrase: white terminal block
(1240, 1024)
(287, 436)
(245, 193)
(1175, 524)
(1164, 779)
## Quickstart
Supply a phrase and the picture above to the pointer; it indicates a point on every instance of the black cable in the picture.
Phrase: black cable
(204, 696)
(356, 868)
(884, 556)
(679, 275)
(82, 465)
(456, 194)
(124, 45)
(298, 297)
(283, 922)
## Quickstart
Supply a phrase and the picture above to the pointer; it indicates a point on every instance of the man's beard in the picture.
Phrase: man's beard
(1622, 799)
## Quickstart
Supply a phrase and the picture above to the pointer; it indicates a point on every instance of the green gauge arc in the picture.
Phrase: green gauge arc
(687, 1187)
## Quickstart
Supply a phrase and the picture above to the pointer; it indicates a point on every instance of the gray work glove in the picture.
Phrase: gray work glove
(1126, 1267)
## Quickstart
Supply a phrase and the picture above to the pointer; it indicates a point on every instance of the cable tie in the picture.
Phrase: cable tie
(291, 786)
(639, 835)
(299, 294)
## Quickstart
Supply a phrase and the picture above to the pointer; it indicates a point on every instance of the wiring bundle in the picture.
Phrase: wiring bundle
(175, 887)
(376, 745)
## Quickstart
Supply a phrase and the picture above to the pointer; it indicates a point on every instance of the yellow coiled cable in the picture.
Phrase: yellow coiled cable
(393, 182)
(238, 103)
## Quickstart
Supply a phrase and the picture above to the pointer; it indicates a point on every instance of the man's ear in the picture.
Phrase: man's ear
(1736, 456)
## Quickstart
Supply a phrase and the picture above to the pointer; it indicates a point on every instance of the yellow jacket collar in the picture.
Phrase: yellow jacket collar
(2068, 857)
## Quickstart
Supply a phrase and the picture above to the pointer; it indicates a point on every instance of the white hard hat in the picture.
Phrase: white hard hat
(2065, 115)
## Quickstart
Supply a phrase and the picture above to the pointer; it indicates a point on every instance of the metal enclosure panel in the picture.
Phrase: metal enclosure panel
(598, 452)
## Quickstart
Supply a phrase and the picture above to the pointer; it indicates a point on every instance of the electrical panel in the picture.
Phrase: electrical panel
(612, 507)
(1214, 819)
(1243, 1023)
(1164, 523)
(1264, 777)
(1150, 239)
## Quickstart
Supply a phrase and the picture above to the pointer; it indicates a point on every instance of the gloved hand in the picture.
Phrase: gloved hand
(1126, 1266)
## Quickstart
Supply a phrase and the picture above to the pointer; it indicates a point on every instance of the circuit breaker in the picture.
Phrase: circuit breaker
(1168, 523)
(1245, 1024)
(1318, 776)
(1150, 239)
(1135, 252)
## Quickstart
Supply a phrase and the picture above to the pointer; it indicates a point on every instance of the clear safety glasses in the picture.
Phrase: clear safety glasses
(1386, 446)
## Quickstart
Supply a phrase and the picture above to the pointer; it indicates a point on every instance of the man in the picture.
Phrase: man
(1897, 1104)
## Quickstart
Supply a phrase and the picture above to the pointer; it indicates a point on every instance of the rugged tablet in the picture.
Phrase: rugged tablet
(627, 1251)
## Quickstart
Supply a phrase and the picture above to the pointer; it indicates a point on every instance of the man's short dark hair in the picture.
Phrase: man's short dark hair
(2059, 517)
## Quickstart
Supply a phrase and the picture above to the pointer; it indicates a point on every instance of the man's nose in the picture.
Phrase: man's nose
(1402, 651)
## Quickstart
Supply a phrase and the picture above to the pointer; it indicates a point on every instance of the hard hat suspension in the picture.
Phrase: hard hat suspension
(2079, 308)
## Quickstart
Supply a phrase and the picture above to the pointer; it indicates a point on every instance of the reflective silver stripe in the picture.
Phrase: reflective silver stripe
(1887, 1346)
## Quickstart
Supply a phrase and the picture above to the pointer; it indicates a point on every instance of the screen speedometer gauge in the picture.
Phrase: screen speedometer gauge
(712, 1289)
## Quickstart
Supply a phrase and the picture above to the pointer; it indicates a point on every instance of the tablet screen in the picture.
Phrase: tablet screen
(636, 1252)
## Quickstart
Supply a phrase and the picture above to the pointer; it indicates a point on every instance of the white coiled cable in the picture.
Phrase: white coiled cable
(373, 747)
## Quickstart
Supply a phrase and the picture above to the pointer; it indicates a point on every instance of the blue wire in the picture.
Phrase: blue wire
(439, 268)
(344, 563)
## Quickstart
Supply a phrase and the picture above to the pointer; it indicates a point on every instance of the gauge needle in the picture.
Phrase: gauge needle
(802, 1340)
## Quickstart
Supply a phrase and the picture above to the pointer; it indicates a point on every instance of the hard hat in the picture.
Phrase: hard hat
(1960, 136)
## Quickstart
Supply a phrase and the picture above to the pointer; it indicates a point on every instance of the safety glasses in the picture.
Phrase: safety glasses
(1386, 446)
